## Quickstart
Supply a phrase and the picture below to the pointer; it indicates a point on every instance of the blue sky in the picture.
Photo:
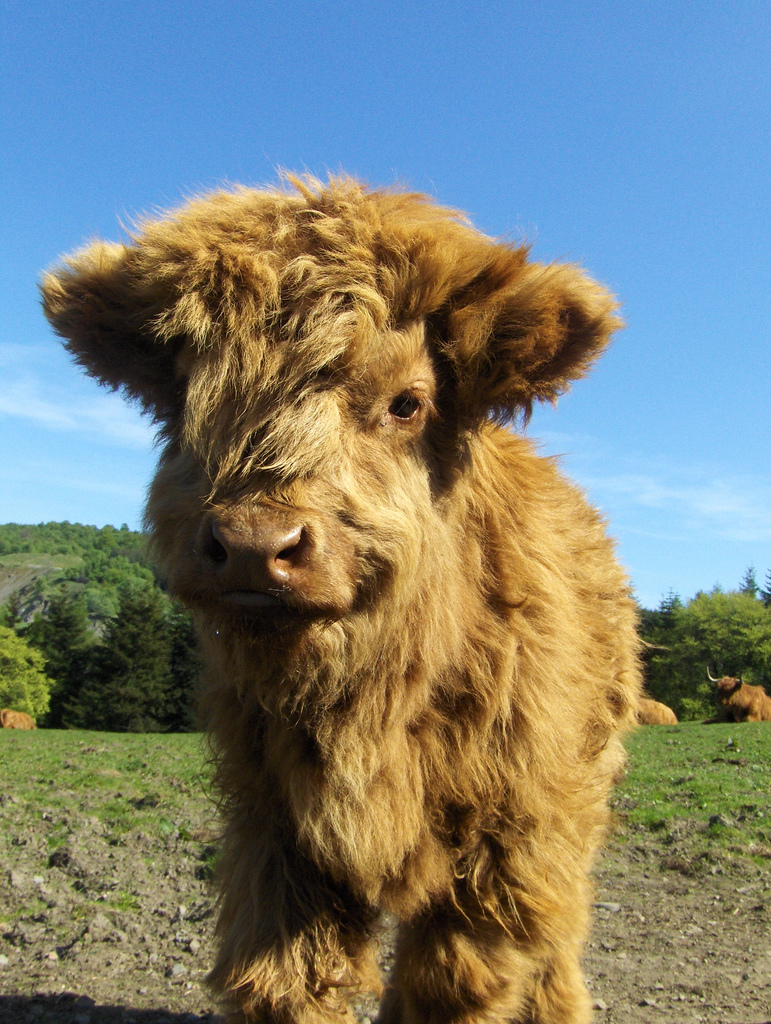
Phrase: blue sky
(632, 138)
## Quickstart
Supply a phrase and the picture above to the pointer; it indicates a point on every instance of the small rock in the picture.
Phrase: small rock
(612, 908)
(52, 955)
(599, 1004)
(100, 927)
(17, 879)
(84, 1003)
(4, 961)
(194, 945)
(176, 971)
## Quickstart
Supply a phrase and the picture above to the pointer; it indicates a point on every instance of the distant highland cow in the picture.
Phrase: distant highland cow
(742, 702)
(653, 712)
(421, 650)
(16, 719)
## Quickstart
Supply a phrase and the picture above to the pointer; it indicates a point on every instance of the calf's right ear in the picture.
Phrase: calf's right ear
(520, 332)
(105, 309)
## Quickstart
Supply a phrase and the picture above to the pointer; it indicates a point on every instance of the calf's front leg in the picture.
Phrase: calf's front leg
(293, 945)
(456, 965)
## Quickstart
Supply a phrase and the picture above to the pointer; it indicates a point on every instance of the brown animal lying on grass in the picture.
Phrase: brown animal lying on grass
(742, 702)
(653, 712)
(16, 719)
(421, 651)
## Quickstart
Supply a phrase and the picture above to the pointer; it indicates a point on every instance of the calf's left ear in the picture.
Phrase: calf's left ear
(521, 332)
(106, 309)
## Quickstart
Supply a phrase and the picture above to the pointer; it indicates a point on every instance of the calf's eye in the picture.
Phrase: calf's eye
(404, 406)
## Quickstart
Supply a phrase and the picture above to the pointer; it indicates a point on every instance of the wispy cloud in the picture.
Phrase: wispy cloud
(42, 387)
(731, 507)
(659, 498)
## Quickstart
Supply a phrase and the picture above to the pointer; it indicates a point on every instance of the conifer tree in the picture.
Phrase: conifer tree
(749, 584)
(128, 682)
(63, 637)
(184, 672)
(765, 593)
(10, 613)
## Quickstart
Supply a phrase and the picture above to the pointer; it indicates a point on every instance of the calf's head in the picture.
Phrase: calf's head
(319, 362)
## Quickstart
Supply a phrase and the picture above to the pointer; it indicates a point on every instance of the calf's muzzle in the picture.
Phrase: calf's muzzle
(265, 558)
(267, 550)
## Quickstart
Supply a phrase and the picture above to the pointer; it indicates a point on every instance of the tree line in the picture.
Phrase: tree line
(101, 645)
(725, 633)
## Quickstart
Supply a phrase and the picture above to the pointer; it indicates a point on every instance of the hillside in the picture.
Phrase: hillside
(36, 561)
(118, 652)
(19, 574)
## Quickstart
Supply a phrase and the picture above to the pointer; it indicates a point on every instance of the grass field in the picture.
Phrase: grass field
(711, 780)
(109, 843)
(157, 783)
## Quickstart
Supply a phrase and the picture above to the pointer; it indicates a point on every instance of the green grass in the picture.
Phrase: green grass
(37, 559)
(704, 788)
(709, 783)
(155, 783)
(124, 901)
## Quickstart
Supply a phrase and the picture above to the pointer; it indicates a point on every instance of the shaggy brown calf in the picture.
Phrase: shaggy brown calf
(653, 712)
(421, 650)
(16, 719)
(742, 702)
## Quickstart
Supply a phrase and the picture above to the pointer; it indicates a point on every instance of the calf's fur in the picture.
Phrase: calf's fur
(421, 650)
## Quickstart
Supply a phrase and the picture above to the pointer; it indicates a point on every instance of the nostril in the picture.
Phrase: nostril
(215, 548)
(294, 547)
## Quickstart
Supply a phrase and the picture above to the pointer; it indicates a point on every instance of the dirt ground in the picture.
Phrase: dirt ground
(115, 932)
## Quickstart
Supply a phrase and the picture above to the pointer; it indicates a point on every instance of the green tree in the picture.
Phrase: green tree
(66, 642)
(24, 685)
(765, 593)
(128, 682)
(749, 584)
(184, 672)
(727, 633)
(10, 613)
